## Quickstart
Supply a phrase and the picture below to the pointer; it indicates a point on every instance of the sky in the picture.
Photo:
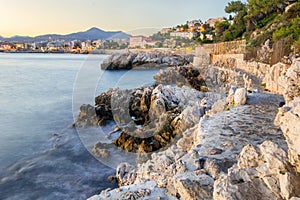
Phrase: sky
(37, 17)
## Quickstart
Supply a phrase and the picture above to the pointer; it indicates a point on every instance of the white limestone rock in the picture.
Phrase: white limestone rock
(289, 185)
(240, 96)
(288, 118)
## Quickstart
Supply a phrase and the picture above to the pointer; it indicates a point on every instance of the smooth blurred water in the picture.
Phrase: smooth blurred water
(41, 155)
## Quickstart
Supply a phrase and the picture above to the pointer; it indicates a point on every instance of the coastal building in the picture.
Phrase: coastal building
(87, 46)
(55, 45)
(141, 42)
(211, 22)
(136, 41)
(187, 35)
(6, 46)
(165, 31)
(20, 46)
(149, 42)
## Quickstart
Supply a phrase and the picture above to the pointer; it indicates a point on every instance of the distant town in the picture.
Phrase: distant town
(190, 34)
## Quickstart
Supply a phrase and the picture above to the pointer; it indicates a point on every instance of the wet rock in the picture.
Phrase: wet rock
(166, 115)
(112, 179)
(101, 150)
(125, 173)
(103, 106)
(87, 117)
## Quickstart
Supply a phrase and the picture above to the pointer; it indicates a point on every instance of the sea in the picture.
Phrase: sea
(42, 155)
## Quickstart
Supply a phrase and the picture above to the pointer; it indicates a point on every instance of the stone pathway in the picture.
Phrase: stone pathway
(217, 142)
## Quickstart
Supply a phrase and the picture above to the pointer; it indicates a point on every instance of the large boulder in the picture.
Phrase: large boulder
(285, 80)
(87, 117)
(118, 61)
(288, 118)
(261, 173)
(240, 96)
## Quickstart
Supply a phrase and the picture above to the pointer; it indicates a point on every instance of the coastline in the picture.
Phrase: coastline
(199, 161)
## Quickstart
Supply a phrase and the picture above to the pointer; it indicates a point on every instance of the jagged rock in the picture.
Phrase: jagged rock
(265, 52)
(148, 190)
(103, 106)
(118, 61)
(100, 152)
(275, 158)
(226, 188)
(274, 79)
(210, 149)
(288, 118)
(249, 157)
(164, 120)
(247, 176)
(125, 173)
(263, 172)
(283, 80)
(293, 77)
(289, 185)
(150, 60)
(87, 117)
(194, 187)
(230, 97)
(182, 75)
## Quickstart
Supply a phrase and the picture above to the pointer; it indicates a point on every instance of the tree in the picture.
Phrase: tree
(235, 7)
(239, 22)
(260, 9)
(220, 28)
(265, 7)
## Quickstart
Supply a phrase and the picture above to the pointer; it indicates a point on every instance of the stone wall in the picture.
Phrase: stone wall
(235, 61)
(279, 78)
(202, 57)
(232, 47)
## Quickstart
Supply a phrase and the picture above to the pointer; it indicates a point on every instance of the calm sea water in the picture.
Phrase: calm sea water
(41, 155)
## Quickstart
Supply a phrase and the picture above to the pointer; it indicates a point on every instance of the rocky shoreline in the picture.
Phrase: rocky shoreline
(205, 145)
(131, 60)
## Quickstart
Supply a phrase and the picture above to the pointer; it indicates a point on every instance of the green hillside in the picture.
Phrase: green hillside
(260, 20)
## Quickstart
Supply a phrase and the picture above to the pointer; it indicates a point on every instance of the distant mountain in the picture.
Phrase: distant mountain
(91, 34)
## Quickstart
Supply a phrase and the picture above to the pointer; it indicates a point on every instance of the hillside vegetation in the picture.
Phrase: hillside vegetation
(260, 20)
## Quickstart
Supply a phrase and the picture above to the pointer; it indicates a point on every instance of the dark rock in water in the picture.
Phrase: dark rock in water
(87, 117)
(148, 118)
(118, 61)
(103, 106)
(145, 60)
(112, 179)
(182, 75)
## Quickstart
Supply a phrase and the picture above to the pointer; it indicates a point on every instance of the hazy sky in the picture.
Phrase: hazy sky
(36, 17)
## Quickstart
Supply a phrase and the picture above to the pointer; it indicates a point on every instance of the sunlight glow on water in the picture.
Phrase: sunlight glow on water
(41, 156)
